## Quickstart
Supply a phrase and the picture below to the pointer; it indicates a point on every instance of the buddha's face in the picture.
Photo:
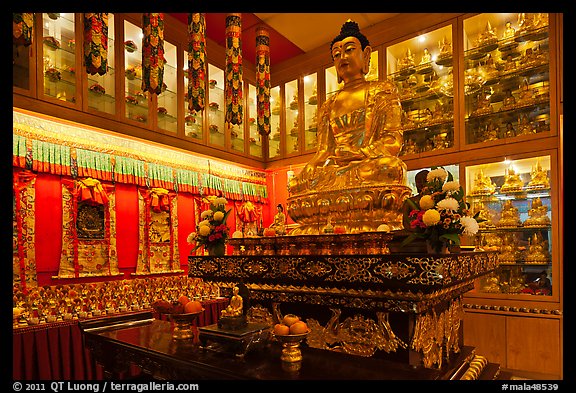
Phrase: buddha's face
(349, 58)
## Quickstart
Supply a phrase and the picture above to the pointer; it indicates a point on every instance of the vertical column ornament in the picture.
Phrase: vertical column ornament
(96, 43)
(196, 61)
(263, 80)
(153, 52)
(22, 28)
(233, 74)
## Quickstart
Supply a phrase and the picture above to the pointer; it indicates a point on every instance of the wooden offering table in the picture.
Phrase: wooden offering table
(367, 300)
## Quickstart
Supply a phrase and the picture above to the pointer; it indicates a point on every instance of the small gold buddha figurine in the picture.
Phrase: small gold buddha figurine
(525, 127)
(509, 64)
(509, 215)
(235, 307)
(483, 185)
(426, 57)
(484, 216)
(509, 31)
(407, 62)
(508, 250)
(490, 284)
(509, 101)
(537, 215)
(294, 102)
(537, 250)
(538, 178)
(488, 39)
(524, 24)
(512, 181)
(444, 58)
(509, 132)
(526, 96)
(313, 100)
(276, 109)
(483, 104)
(491, 132)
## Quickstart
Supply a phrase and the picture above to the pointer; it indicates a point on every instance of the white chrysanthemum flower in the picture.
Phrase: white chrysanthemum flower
(218, 216)
(220, 201)
(451, 186)
(426, 202)
(448, 204)
(204, 230)
(191, 239)
(470, 225)
(206, 213)
(431, 217)
(437, 173)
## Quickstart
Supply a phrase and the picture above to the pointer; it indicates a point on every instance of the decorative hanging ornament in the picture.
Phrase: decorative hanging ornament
(233, 82)
(263, 80)
(96, 43)
(153, 52)
(22, 28)
(196, 62)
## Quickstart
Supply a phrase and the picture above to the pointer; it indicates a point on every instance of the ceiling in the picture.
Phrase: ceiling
(291, 34)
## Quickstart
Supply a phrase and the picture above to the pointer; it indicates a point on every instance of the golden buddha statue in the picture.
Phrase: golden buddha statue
(525, 127)
(512, 181)
(509, 215)
(508, 31)
(355, 176)
(483, 106)
(508, 250)
(537, 215)
(484, 217)
(488, 40)
(526, 95)
(537, 250)
(483, 185)
(538, 178)
(444, 58)
(509, 102)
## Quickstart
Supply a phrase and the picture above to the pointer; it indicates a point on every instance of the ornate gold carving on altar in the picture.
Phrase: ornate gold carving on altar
(435, 334)
(475, 368)
(356, 335)
(90, 221)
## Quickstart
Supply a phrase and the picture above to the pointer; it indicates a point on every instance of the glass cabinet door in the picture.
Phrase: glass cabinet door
(167, 99)
(59, 56)
(23, 24)
(276, 108)
(255, 137)
(193, 121)
(513, 201)
(292, 120)
(421, 67)
(216, 106)
(507, 76)
(101, 88)
(136, 101)
(310, 111)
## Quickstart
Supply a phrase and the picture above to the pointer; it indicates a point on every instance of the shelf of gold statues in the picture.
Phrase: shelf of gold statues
(425, 86)
(506, 80)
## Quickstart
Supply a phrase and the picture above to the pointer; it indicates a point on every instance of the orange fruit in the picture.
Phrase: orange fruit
(290, 319)
(193, 306)
(183, 299)
(298, 327)
(281, 330)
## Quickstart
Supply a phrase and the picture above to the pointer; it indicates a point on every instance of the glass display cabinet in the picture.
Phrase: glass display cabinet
(506, 76)
(514, 201)
(292, 117)
(310, 111)
(167, 100)
(102, 88)
(22, 56)
(255, 139)
(59, 56)
(136, 101)
(193, 121)
(421, 67)
(216, 116)
(274, 137)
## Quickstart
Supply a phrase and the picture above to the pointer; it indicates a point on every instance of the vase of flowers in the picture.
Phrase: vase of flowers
(212, 232)
(442, 214)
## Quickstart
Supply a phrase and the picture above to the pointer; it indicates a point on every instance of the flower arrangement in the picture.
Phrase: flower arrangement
(212, 232)
(441, 214)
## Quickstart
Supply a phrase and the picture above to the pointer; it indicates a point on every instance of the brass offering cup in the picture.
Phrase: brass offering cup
(182, 324)
(291, 346)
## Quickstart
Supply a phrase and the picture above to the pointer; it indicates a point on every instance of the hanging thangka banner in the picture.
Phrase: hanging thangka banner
(196, 62)
(153, 52)
(96, 43)
(23, 233)
(233, 82)
(263, 80)
(22, 28)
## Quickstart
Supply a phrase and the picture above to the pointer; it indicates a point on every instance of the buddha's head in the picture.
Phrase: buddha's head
(350, 52)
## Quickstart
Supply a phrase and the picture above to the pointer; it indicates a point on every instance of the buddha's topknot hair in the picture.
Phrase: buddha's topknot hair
(351, 29)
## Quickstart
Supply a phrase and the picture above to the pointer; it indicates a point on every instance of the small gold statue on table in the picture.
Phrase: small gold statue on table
(537, 215)
(509, 215)
(483, 185)
(232, 317)
(538, 178)
(512, 181)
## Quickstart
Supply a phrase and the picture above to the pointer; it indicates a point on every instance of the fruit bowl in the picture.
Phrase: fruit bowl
(291, 346)
(182, 324)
